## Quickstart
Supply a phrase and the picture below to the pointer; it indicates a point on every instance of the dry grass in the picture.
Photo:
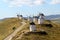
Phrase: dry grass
(53, 32)
(7, 25)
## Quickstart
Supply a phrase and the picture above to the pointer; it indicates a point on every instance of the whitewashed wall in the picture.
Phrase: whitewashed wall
(32, 28)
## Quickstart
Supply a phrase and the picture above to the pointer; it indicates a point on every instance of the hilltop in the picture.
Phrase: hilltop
(52, 32)
(9, 25)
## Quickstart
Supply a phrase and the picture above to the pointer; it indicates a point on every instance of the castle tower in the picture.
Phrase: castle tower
(32, 27)
(41, 19)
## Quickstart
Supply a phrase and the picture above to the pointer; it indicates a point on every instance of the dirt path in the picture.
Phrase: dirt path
(20, 36)
(14, 33)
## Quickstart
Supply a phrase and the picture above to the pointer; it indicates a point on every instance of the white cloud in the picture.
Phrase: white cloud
(38, 2)
(55, 2)
(24, 2)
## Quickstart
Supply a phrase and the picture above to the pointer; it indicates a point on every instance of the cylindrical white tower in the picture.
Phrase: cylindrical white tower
(29, 18)
(34, 18)
(32, 27)
(19, 16)
(41, 19)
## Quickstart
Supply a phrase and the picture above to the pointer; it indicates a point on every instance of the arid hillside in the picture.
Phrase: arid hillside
(51, 31)
(7, 26)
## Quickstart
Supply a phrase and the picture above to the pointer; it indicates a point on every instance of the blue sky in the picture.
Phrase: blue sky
(9, 8)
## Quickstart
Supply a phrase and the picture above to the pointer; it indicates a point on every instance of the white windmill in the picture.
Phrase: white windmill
(32, 27)
(35, 18)
(19, 16)
(41, 18)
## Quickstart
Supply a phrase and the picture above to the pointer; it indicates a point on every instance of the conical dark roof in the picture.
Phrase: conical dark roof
(41, 14)
(19, 15)
(32, 23)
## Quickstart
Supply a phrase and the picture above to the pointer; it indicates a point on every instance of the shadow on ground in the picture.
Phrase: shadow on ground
(37, 33)
(46, 25)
